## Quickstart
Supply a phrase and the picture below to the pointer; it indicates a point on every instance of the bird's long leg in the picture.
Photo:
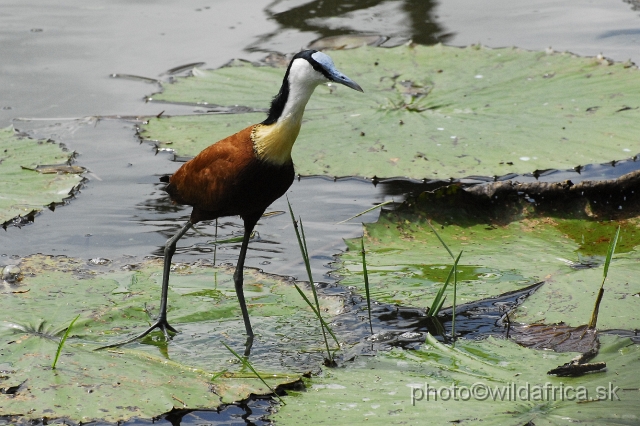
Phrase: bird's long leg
(249, 224)
(161, 321)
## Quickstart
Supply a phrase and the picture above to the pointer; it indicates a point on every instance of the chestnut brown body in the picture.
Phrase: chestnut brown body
(227, 179)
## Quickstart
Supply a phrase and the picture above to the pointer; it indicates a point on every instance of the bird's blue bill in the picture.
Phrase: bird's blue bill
(333, 72)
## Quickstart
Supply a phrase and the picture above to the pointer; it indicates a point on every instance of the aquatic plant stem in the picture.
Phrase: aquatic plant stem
(316, 313)
(307, 263)
(366, 282)
(61, 343)
(455, 282)
(377, 206)
(612, 248)
(455, 294)
(438, 301)
(215, 247)
(302, 243)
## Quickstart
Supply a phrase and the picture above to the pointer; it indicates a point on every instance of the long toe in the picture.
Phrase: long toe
(165, 330)
(162, 324)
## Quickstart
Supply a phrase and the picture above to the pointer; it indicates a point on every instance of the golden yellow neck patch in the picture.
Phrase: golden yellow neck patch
(273, 142)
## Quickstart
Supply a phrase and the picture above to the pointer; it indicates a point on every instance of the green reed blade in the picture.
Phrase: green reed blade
(365, 212)
(61, 343)
(305, 257)
(440, 238)
(366, 282)
(612, 248)
(317, 314)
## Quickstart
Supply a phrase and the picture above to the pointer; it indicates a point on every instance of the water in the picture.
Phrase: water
(106, 221)
(57, 61)
(57, 65)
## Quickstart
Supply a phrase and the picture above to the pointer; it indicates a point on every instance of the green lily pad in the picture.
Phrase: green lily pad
(464, 386)
(146, 378)
(89, 385)
(430, 112)
(407, 264)
(569, 298)
(23, 190)
(503, 250)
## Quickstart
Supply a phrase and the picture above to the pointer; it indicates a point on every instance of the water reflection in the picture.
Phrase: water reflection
(252, 411)
(408, 19)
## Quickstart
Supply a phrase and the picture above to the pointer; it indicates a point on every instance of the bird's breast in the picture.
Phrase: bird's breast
(273, 143)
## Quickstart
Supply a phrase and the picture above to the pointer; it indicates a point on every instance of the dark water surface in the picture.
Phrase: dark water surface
(55, 67)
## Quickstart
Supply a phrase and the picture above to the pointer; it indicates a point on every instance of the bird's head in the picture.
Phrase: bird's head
(306, 70)
(315, 68)
(274, 138)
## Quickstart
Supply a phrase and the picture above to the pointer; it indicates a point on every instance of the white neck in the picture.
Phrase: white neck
(274, 142)
(303, 80)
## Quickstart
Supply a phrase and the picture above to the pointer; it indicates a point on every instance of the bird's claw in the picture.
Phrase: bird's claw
(160, 323)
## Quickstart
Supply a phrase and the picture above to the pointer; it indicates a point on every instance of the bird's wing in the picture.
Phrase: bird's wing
(205, 181)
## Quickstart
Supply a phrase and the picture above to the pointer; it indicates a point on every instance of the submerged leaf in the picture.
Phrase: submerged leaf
(558, 337)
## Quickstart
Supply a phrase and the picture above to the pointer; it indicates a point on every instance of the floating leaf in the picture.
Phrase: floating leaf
(22, 189)
(407, 264)
(106, 384)
(505, 248)
(430, 112)
(569, 297)
(488, 382)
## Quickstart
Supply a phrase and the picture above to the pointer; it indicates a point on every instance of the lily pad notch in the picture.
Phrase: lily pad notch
(34, 174)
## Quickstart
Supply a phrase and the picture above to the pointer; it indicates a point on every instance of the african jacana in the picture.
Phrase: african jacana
(245, 172)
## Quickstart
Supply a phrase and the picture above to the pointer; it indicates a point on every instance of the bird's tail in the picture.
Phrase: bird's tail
(169, 189)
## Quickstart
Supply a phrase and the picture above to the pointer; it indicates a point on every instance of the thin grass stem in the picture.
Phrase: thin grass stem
(455, 295)
(61, 343)
(215, 376)
(612, 248)
(455, 282)
(366, 282)
(441, 240)
(302, 243)
(307, 263)
(438, 301)
(366, 211)
(317, 314)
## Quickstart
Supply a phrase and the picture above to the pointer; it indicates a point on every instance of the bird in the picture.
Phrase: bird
(242, 174)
